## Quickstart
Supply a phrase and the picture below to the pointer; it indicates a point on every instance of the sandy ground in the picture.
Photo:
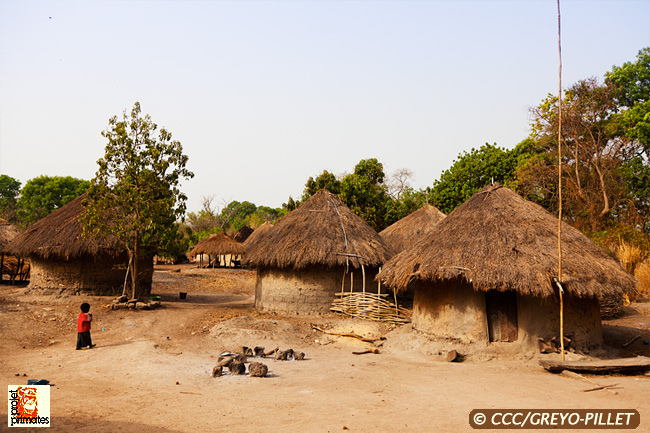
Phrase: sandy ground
(151, 370)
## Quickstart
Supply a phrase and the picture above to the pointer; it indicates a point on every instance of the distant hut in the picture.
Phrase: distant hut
(257, 235)
(243, 234)
(406, 232)
(315, 251)
(226, 251)
(9, 265)
(486, 274)
(63, 259)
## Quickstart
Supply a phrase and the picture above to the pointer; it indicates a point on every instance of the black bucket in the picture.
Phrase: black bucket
(182, 295)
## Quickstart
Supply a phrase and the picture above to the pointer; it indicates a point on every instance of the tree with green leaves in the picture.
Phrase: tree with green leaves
(44, 194)
(365, 194)
(325, 180)
(135, 194)
(631, 84)
(9, 190)
(470, 172)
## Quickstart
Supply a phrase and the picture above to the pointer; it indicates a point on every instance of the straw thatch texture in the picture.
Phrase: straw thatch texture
(409, 230)
(217, 245)
(322, 231)
(7, 233)
(257, 235)
(243, 234)
(59, 235)
(498, 240)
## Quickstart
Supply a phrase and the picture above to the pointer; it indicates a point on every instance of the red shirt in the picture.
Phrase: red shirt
(83, 323)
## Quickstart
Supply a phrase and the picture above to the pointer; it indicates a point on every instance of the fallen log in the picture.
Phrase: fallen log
(366, 351)
(639, 364)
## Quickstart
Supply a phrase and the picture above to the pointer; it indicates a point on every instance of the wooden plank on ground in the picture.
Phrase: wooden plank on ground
(639, 364)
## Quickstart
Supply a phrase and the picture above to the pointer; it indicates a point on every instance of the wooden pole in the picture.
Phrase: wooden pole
(363, 274)
(352, 281)
(379, 284)
(559, 175)
(343, 282)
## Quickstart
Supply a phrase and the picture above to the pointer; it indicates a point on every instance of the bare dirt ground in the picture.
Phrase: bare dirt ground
(151, 370)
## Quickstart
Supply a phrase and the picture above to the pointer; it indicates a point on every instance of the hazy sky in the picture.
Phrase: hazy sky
(264, 94)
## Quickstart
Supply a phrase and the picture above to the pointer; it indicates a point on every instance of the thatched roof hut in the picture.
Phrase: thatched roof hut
(496, 256)
(500, 241)
(7, 233)
(60, 236)
(243, 234)
(322, 231)
(62, 258)
(8, 265)
(257, 235)
(216, 245)
(304, 259)
(404, 233)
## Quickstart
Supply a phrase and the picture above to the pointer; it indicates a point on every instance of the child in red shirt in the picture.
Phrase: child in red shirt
(83, 327)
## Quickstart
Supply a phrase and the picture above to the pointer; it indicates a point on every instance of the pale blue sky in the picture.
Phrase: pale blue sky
(264, 94)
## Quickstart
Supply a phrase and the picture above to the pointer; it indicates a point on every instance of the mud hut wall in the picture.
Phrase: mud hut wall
(540, 318)
(308, 291)
(450, 311)
(86, 274)
(455, 311)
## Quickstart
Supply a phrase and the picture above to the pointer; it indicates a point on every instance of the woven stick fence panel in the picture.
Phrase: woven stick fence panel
(372, 306)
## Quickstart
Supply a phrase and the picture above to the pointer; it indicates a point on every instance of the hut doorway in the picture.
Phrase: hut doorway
(501, 310)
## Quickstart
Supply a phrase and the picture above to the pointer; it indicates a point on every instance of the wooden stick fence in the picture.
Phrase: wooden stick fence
(372, 306)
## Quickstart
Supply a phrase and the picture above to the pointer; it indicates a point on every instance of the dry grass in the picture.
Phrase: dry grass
(629, 255)
(643, 275)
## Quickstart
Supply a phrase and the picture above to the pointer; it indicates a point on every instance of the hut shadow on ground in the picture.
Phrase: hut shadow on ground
(100, 425)
(231, 301)
(615, 336)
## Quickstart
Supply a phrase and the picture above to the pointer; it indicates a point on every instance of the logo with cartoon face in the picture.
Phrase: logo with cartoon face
(27, 404)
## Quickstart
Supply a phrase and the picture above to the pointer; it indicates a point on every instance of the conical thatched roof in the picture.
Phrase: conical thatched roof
(498, 240)
(59, 235)
(257, 235)
(322, 231)
(406, 232)
(216, 245)
(243, 234)
(7, 233)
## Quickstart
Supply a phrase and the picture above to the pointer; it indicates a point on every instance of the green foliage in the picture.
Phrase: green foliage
(632, 84)
(325, 180)
(470, 172)
(363, 192)
(135, 193)
(44, 194)
(9, 189)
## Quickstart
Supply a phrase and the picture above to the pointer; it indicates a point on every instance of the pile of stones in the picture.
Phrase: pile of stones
(236, 361)
(124, 303)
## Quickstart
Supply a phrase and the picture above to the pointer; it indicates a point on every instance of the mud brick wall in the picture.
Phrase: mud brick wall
(309, 291)
(95, 276)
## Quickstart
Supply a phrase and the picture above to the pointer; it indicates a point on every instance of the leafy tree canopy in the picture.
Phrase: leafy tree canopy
(470, 172)
(632, 85)
(44, 194)
(135, 193)
(9, 189)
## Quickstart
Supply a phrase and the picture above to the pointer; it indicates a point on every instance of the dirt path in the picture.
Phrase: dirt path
(150, 371)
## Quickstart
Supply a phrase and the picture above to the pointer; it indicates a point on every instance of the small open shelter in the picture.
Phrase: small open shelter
(62, 259)
(406, 232)
(312, 253)
(486, 274)
(226, 251)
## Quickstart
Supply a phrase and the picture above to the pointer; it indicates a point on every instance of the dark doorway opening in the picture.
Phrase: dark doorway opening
(501, 308)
